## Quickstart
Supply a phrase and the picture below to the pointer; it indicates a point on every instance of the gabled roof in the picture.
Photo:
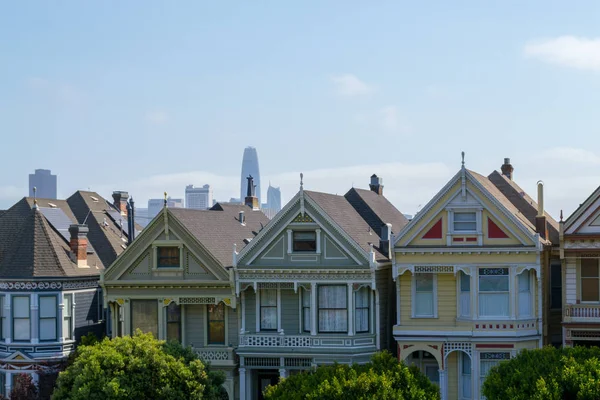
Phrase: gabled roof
(582, 208)
(2, 213)
(219, 228)
(524, 203)
(37, 250)
(376, 210)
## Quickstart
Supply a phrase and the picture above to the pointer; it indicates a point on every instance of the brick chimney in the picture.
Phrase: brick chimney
(376, 184)
(120, 201)
(541, 225)
(507, 169)
(385, 239)
(251, 200)
(78, 244)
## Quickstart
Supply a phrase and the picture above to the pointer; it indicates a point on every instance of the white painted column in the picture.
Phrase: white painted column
(59, 318)
(34, 316)
(474, 293)
(7, 320)
(125, 311)
(289, 237)
(9, 380)
(257, 314)
(475, 374)
(242, 383)
(243, 306)
(398, 313)
(278, 309)
(282, 373)
(36, 378)
(313, 308)
(513, 291)
(318, 231)
(350, 310)
(443, 385)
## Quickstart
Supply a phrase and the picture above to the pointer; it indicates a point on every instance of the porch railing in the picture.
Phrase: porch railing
(582, 312)
(216, 356)
(305, 341)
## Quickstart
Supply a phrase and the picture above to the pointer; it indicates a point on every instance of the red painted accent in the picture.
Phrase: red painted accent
(511, 327)
(471, 239)
(435, 232)
(494, 346)
(494, 231)
(458, 239)
(476, 326)
(503, 326)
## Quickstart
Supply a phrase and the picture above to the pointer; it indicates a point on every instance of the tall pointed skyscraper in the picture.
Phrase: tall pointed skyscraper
(250, 167)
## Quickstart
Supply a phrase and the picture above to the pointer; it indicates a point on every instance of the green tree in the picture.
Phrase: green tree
(547, 374)
(383, 378)
(135, 367)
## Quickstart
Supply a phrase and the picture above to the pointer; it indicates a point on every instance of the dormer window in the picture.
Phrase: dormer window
(167, 257)
(305, 241)
(465, 222)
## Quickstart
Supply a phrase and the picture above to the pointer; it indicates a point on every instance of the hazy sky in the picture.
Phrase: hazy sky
(148, 96)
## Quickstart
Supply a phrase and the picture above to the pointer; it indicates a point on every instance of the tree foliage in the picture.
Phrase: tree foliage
(547, 374)
(136, 367)
(383, 378)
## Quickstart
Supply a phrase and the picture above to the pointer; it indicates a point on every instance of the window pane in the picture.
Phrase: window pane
(173, 312)
(47, 306)
(524, 304)
(21, 329)
(306, 318)
(333, 321)
(333, 297)
(493, 283)
(305, 236)
(464, 217)
(305, 241)
(424, 305)
(67, 328)
(465, 226)
(268, 297)
(466, 364)
(424, 282)
(589, 267)
(493, 304)
(68, 305)
(361, 297)
(173, 331)
(589, 289)
(524, 282)
(305, 298)
(20, 305)
(144, 316)
(48, 329)
(465, 304)
(168, 257)
(465, 282)
(216, 313)
(268, 318)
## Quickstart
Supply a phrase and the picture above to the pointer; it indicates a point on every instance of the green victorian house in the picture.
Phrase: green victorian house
(315, 286)
(175, 281)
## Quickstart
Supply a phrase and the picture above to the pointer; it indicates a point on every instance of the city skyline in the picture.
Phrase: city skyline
(199, 198)
(45, 184)
(250, 167)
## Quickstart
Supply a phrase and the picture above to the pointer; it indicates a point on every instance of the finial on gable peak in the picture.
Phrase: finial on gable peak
(463, 158)
(165, 199)
(35, 204)
(301, 181)
(561, 216)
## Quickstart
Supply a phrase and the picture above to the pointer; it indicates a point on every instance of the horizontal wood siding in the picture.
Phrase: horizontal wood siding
(452, 367)
(250, 298)
(194, 325)
(290, 313)
(571, 281)
(232, 326)
(87, 314)
(446, 302)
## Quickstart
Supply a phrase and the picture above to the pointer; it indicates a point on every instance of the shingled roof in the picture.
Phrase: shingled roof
(218, 228)
(376, 210)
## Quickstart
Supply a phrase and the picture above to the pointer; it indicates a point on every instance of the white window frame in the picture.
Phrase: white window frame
(461, 393)
(68, 317)
(531, 295)
(459, 293)
(305, 294)
(414, 296)
(225, 316)
(258, 314)
(349, 322)
(580, 281)
(12, 325)
(368, 307)
(55, 318)
(478, 224)
(166, 243)
(511, 292)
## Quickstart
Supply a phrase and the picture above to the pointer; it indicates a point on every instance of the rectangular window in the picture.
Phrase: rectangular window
(68, 316)
(144, 316)
(2, 318)
(174, 322)
(216, 324)
(361, 310)
(268, 309)
(487, 361)
(48, 323)
(555, 286)
(525, 294)
(465, 295)
(305, 310)
(465, 383)
(167, 257)
(590, 280)
(21, 320)
(333, 308)
(305, 241)
(465, 221)
(493, 292)
(424, 299)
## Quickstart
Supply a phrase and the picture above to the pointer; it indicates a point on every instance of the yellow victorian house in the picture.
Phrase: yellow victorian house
(467, 272)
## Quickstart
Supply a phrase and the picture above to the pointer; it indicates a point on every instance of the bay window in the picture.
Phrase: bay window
(590, 280)
(144, 316)
(465, 295)
(268, 309)
(493, 292)
(68, 316)
(425, 298)
(361, 310)
(216, 324)
(305, 310)
(174, 322)
(21, 318)
(333, 308)
(525, 294)
(48, 323)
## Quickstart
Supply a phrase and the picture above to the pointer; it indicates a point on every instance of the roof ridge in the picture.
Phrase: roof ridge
(45, 229)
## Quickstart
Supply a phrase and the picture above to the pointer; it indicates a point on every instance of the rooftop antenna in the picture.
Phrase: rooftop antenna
(35, 204)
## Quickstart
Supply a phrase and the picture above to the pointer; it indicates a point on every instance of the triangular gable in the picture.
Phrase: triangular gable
(301, 211)
(137, 261)
(494, 231)
(586, 219)
(462, 192)
(19, 356)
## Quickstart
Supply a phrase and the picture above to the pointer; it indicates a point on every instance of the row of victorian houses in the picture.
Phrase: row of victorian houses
(481, 272)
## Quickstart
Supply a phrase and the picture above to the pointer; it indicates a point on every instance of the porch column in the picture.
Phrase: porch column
(539, 308)
(59, 318)
(313, 308)
(243, 306)
(350, 310)
(7, 320)
(8, 384)
(242, 383)
(282, 373)
(398, 300)
(35, 320)
(443, 384)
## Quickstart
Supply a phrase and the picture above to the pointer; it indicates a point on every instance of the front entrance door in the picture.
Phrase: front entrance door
(427, 363)
(266, 378)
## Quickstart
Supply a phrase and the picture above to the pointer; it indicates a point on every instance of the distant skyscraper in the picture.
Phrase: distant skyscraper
(250, 167)
(199, 198)
(274, 198)
(44, 182)
(155, 205)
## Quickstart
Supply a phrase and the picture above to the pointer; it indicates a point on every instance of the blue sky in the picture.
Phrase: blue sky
(148, 96)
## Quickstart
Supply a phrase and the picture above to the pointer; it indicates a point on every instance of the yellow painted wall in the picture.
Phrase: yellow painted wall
(452, 368)
(473, 258)
(446, 302)
(530, 344)
(496, 242)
